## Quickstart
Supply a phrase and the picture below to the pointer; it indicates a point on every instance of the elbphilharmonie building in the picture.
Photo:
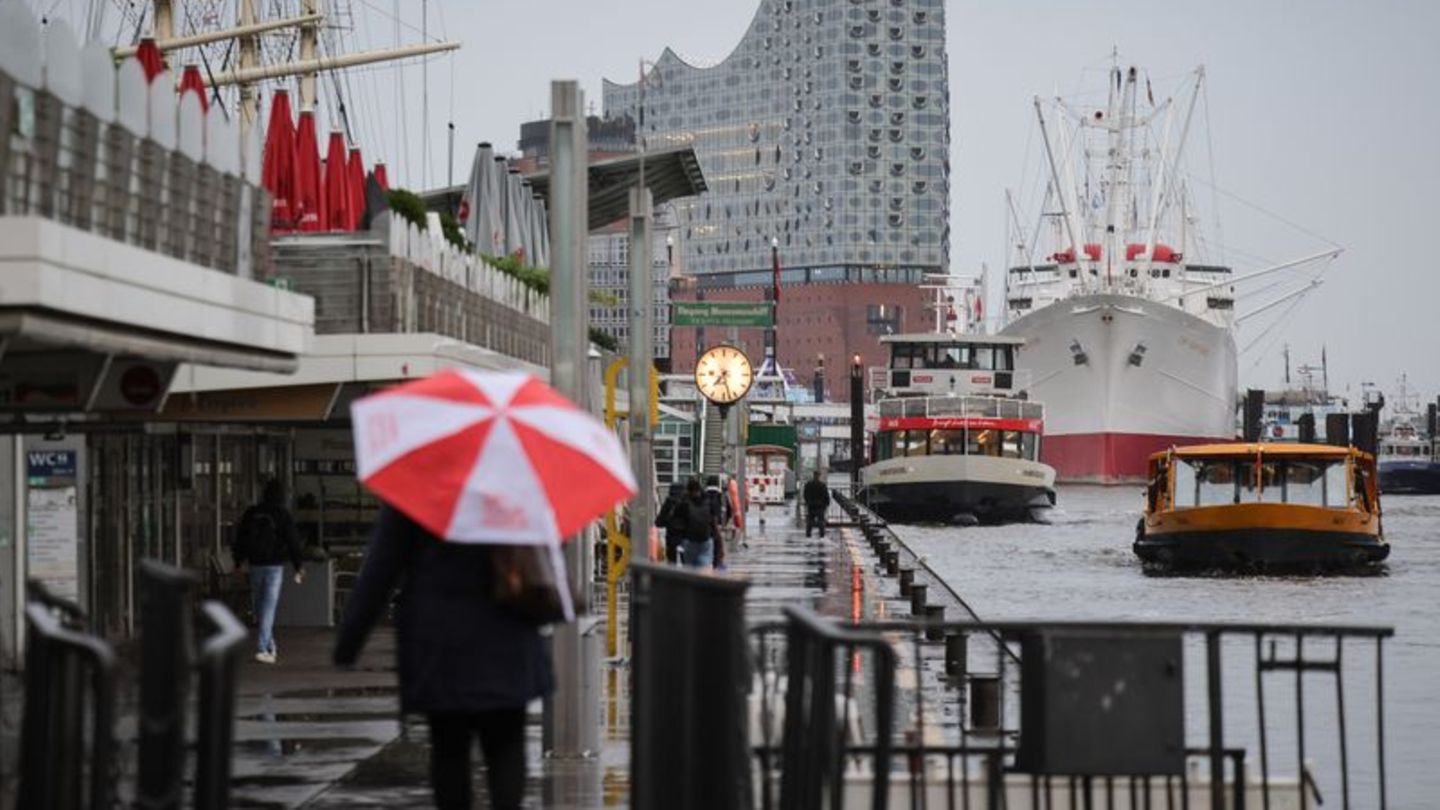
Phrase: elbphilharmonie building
(826, 130)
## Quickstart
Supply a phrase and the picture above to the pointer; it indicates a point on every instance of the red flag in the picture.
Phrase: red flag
(775, 277)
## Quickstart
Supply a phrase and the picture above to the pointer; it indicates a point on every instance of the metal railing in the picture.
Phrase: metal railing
(86, 164)
(1058, 714)
(984, 407)
(218, 665)
(67, 734)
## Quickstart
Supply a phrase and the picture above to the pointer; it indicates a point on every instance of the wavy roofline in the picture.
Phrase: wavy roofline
(668, 56)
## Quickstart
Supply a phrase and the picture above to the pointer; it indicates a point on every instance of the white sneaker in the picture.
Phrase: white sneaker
(265, 657)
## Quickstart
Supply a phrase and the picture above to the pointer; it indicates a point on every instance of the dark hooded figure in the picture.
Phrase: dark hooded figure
(264, 541)
(468, 664)
(672, 519)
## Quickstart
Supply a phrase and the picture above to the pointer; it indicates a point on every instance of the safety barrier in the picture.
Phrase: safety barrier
(1093, 714)
(689, 677)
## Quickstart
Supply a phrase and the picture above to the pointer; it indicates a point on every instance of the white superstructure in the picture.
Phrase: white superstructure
(1128, 337)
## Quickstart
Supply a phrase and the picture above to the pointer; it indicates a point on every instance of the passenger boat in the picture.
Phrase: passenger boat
(1262, 507)
(1409, 454)
(956, 441)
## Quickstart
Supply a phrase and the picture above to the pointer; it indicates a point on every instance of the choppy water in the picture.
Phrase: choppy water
(1082, 568)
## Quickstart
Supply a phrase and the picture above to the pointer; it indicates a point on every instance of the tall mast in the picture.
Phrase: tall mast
(1069, 206)
(1162, 196)
(1115, 154)
(249, 45)
(164, 19)
(309, 39)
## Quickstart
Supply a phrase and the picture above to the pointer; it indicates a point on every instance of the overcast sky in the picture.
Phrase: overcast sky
(1324, 112)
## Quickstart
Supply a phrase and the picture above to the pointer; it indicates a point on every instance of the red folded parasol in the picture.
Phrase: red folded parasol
(308, 203)
(355, 177)
(488, 457)
(338, 204)
(277, 171)
(380, 176)
(150, 59)
(191, 82)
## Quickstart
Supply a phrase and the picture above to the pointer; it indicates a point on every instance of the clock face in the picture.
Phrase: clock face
(723, 374)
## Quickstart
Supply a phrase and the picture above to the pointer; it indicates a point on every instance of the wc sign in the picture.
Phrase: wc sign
(50, 467)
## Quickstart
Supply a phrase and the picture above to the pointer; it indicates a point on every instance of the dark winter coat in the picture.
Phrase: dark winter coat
(457, 650)
(817, 495)
(278, 544)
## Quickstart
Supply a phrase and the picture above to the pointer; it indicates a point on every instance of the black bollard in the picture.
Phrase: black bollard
(167, 650)
(892, 562)
(907, 578)
(935, 613)
(956, 650)
(917, 599)
(984, 703)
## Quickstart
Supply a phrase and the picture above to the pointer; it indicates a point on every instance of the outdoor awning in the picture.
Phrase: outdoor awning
(669, 174)
(336, 370)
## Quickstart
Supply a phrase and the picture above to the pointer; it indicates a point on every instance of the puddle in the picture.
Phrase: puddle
(342, 691)
(269, 781)
(285, 747)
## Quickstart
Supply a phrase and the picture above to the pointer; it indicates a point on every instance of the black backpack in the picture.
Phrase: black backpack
(259, 538)
(699, 523)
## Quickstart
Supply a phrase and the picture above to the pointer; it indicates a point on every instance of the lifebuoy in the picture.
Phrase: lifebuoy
(736, 514)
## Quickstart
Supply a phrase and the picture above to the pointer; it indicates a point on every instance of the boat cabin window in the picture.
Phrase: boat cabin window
(1310, 482)
(940, 356)
(957, 442)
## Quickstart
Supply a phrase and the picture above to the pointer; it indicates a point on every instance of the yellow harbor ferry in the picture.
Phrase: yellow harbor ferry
(1262, 507)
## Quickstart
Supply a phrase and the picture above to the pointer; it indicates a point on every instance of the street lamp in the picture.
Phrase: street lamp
(772, 347)
(857, 421)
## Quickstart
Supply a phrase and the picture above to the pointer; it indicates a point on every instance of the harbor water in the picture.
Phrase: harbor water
(1081, 568)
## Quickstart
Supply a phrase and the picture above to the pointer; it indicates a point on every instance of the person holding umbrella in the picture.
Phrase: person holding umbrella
(472, 467)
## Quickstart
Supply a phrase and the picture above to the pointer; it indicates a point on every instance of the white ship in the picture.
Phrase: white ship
(1127, 337)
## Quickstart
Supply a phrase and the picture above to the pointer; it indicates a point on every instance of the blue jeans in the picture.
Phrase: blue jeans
(264, 599)
(697, 554)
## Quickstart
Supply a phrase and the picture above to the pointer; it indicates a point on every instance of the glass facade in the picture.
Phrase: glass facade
(826, 129)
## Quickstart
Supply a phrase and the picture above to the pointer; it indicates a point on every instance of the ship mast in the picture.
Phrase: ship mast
(1069, 205)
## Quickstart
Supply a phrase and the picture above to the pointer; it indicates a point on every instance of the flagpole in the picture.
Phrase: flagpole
(772, 334)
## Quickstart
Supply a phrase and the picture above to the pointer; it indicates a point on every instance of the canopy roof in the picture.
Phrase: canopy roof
(669, 174)
(1248, 450)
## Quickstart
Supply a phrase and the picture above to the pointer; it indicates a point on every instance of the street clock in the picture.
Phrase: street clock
(723, 375)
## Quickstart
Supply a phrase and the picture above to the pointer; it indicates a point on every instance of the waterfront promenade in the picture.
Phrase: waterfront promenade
(311, 736)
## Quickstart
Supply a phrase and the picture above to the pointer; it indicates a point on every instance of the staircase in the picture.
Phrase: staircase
(712, 459)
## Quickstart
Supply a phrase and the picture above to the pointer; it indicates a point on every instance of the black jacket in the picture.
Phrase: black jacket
(457, 650)
(817, 495)
(286, 546)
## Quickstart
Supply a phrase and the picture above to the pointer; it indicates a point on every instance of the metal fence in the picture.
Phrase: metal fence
(96, 147)
(1066, 714)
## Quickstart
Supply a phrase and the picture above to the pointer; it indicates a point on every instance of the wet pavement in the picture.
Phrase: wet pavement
(309, 735)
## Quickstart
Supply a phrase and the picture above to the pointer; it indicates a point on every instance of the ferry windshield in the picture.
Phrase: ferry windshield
(1215, 482)
(968, 442)
(956, 356)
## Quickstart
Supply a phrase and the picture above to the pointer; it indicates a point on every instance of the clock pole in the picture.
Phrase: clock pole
(642, 335)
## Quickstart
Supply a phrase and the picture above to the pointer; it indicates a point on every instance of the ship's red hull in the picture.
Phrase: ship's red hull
(1109, 458)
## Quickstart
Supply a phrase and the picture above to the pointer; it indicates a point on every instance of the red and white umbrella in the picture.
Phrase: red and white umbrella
(489, 457)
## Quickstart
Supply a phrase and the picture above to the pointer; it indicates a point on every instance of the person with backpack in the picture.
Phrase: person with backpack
(720, 511)
(264, 541)
(817, 500)
(697, 549)
(672, 519)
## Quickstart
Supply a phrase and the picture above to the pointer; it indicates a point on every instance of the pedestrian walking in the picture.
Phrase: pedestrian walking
(697, 550)
(469, 665)
(720, 510)
(474, 515)
(264, 541)
(817, 500)
(671, 519)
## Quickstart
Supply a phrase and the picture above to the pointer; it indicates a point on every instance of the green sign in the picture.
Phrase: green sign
(721, 313)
